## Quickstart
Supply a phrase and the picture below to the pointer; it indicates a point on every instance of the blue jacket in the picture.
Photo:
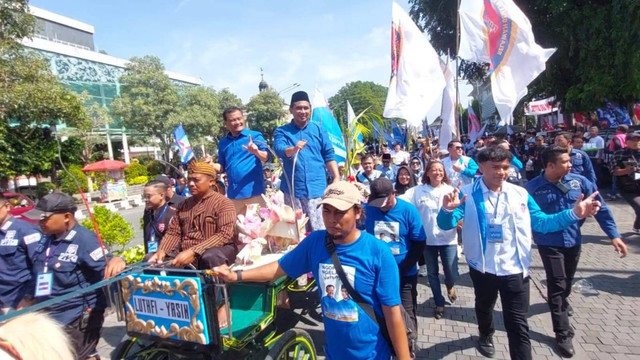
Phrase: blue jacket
(18, 243)
(552, 199)
(581, 165)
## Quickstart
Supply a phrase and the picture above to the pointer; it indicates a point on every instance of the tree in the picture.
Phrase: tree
(147, 100)
(361, 95)
(264, 112)
(598, 47)
(200, 114)
(15, 23)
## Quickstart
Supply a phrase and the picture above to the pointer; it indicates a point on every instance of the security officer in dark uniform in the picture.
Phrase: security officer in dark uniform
(555, 190)
(69, 257)
(18, 242)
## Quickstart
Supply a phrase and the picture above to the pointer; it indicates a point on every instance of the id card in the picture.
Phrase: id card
(494, 232)
(44, 283)
(152, 246)
(636, 176)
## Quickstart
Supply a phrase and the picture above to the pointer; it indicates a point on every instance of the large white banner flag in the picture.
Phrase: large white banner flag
(499, 33)
(448, 114)
(416, 77)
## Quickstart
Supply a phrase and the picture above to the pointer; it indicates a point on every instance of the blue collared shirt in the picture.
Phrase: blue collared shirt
(310, 177)
(244, 170)
(76, 261)
(552, 199)
(18, 242)
(581, 165)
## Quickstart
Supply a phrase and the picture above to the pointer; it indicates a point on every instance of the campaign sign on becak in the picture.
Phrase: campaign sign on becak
(322, 116)
(165, 306)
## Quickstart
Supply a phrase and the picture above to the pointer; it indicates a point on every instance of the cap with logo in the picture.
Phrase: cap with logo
(380, 189)
(342, 195)
(56, 203)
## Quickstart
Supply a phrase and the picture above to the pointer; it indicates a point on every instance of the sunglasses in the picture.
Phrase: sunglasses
(458, 147)
(415, 163)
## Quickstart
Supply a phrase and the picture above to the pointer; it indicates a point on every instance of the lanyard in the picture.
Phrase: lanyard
(154, 225)
(495, 207)
(47, 255)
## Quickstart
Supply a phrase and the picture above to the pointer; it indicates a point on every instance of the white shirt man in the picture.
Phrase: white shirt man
(399, 156)
(459, 168)
(597, 140)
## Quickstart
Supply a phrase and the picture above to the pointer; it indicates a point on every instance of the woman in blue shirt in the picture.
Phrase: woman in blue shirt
(364, 258)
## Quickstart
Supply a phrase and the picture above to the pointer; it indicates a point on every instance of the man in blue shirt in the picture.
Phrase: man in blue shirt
(310, 143)
(18, 242)
(496, 235)
(555, 190)
(366, 262)
(67, 259)
(406, 239)
(387, 168)
(240, 155)
(580, 162)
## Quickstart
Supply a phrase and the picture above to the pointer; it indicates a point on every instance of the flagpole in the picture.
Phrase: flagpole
(458, 116)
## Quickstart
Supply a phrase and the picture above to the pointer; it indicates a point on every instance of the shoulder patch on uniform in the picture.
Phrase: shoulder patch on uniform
(6, 225)
(574, 184)
(70, 235)
(97, 254)
(30, 239)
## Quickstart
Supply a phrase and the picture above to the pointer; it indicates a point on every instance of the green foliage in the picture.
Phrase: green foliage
(144, 159)
(147, 99)
(67, 183)
(598, 47)
(199, 112)
(361, 95)
(138, 180)
(114, 229)
(16, 22)
(44, 188)
(132, 255)
(264, 111)
(155, 167)
(134, 170)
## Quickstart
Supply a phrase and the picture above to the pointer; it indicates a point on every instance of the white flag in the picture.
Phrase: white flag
(498, 32)
(416, 77)
(351, 117)
(448, 114)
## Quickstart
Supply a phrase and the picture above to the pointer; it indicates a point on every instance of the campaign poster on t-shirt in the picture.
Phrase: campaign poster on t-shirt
(389, 232)
(336, 302)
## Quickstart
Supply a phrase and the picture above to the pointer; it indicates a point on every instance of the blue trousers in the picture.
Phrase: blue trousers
(449, 256)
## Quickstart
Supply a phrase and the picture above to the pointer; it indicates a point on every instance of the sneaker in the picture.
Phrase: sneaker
(617, 196)
(564, 345)
(610, 197)
(422, 271)
(635, 231)
(569, 310)
(485, 346)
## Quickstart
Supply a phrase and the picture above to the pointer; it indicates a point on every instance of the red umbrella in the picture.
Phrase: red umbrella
(105, 165)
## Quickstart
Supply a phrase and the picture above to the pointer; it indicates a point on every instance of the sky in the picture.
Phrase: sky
(319, 43)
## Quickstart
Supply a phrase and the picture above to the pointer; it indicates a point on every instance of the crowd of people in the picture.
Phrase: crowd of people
(493, 199)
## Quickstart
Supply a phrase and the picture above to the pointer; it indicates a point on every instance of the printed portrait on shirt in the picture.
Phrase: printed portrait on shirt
(389, 232)
(336, 302)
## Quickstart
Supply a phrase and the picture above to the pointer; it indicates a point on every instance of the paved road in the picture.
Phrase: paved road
(606, 325)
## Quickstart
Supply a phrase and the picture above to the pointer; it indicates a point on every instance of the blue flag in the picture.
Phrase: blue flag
(399, 134)
(323, 117)
(180, 136)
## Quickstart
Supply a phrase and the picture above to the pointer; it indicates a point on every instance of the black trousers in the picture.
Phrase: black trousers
(560, 264)
(84, 333)
(409, 296)
(633, 199)
(514, 294)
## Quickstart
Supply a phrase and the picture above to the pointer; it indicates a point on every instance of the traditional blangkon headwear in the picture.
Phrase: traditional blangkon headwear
(201, 167)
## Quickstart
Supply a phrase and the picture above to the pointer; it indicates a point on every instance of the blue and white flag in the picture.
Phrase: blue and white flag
(351, 122)
(186, 153)
(399, 134)
(323, 117)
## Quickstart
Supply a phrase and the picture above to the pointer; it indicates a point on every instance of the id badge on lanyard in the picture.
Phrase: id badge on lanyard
(152, 246)
(44, 279)
(494, 227)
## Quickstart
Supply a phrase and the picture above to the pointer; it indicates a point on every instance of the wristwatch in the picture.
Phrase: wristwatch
(239, 275)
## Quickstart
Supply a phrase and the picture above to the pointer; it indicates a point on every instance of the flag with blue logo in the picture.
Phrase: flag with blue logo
(180, 136)
(323, 117)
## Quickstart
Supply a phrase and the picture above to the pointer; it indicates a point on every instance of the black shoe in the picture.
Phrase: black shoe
(569, 310)
(564, 344)
(485, 346)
